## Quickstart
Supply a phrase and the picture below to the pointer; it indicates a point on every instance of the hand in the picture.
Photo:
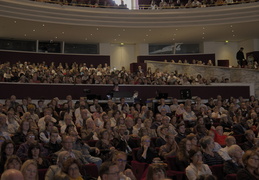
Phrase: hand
(97, 151)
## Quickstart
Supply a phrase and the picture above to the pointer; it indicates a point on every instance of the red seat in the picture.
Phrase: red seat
(138, 168)
(42, 173)
(217, 170)
(171, 163)
(231, 177)
(91, 169)
(176, 175)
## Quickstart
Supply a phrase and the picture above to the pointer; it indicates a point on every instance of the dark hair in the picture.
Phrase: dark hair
(105, 167)
(192, 152)
(32, 146)
(3, 154)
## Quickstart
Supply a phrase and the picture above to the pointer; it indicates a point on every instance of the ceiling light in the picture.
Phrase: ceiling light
(226, 41)
(91, 34)
(63, 32)
(122, 44)
(149, 29)
(33, 30)
(14, 21)
(56, 37)
(146, 34)
(176, 29)
(25, 35)
(43, 24)
(97, 29)
(123, 30)
(119, 35)
(86, 39)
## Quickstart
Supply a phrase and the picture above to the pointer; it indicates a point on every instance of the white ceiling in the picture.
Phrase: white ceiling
(20, 28)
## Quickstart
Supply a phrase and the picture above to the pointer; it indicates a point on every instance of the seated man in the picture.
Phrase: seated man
(223, 152)
(67, 145)
(47, 116)
(166, 123)
(181, 132)
(79, 145)
(45, 135)
(251, 141)
(170, 148)
(163, 106)
(109, 170)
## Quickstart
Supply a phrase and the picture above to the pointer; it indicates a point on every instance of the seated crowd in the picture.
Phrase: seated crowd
(155, 4)
(81, 74)
(190, 137)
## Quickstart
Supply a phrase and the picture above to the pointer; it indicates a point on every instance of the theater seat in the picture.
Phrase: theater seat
(217, 170)
(92, 143)
(42, 173)
(91, 169)
(138, 168)
(176, 175)
(171, 163)
(231, 177)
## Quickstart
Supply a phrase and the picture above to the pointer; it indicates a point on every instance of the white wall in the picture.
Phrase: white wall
(122, 55)
(105, 48)
(222, 51)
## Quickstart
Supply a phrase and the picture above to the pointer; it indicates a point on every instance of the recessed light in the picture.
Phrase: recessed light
(56, 37)
(91, 34)
(97, 29)
(33, 30)
(115, 39)
(146, 34)
(14, 21)
(119, 35)
(63, 32)
(123, 30)
(176, 29)
(25, 34)
(43, 24)
(86, 39)
(149, 29)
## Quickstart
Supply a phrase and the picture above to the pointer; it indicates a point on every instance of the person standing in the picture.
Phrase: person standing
(240, 57)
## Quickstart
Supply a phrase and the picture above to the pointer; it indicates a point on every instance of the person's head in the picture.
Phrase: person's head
(34, 150)
(13, 162)
(164, 130)
(120, 158)
(165, 120)
(109, 170)
(12, 174)
(62, 156)
(241, 49)
(181, 128)
(207, 142)
(49, 125)
(29, 170)
(235, 151)
(84, 113)
(7, 148)
(147, 123)
(67, 143)
(30, 137)
(145, 141)
(90, 123)
(68, 119)
(185, 145)
(54, 135)
(156, 172)
(249, 134)
(122, 129)
(230, 140)
(195, 156)
(158, 117)
(103, 134)
(219, 130)
(25, 125)
(71, 167)
(251, 159)
(129, 122)
(170, 139)
(201, 128)
(193, 138)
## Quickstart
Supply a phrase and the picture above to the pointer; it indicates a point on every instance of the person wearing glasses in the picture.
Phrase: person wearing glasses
(109, 170)
(146, 153)
(120, 158)
(251, 163)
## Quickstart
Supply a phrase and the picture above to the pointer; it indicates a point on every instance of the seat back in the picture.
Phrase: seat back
(91, 170)
(231, 177)
(217, 170)
(138, 168)
(171, 161)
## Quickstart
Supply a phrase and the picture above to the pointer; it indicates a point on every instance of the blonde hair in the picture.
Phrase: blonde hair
(26, 165)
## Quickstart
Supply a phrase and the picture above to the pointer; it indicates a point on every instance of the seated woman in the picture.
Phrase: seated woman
(151, 132)
(137, 126)
(29, 170)
(194, 141)
(170, 148)
(104, 144)
(146, 153)
(70, 170)
(20, 136)
(34, 153)
(209, 157)
(156, 172)
(196, 167)
(249, 172)
(89, 130)
(13, 162)
(233, 165)
(7, 150)
(182, 157)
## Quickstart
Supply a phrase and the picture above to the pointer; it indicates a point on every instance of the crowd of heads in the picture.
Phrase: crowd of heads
(38, 134)
(28, 72)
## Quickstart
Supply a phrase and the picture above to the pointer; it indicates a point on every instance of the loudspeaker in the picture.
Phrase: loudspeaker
(185, 94)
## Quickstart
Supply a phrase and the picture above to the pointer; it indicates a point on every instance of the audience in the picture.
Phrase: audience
(174, 138)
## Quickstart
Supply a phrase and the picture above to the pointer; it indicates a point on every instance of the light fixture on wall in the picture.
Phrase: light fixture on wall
(122, 44)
